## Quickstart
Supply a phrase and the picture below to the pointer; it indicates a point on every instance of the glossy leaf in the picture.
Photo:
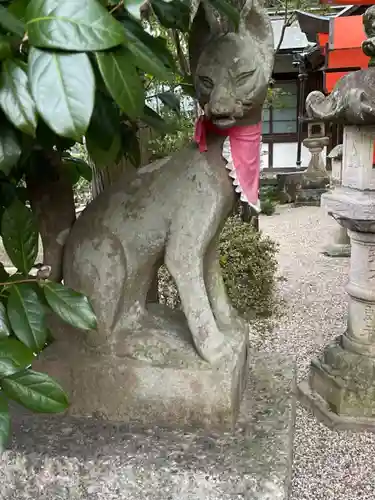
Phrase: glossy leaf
(36, 391)
(146, 47)
(82, 168)
(71, 169)
(20, 236)
(122, 80)
(18, 9)
(5, 48)
(11, 23)
(71, 306)
(173, 15)
(17, 352)
(76, 25)
(170, 100)
(15, 97)
(146, 55)
(7, 367)
(155, 121)
(100, 156)
(105, 122)
(131, 145)
(63, 87)
(27, 316)
(5, 329)
(10, 150)
(4, 421)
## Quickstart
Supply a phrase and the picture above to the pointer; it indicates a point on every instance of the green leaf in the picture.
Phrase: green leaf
(100, 156)
(105, 122)
(5, 48)
(145, 55)
(20, 236)
(17, 352)
(7, 367)
(170, 100)
(27, 316)
(82, 168)
(15, 97)
(72, 171)
(4, 422)
(146, 47)
(5, 329)
(10, 150)
(130, 145)
(228, 10)
(63, 87)
(155, 121)
(76, 25)
(122, 80)
(36, 391)
(11, 23)
(173, 15)
(18, 9)
(71, 306)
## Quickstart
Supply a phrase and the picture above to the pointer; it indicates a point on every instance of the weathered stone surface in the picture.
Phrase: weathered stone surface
(156, 377)
(78, 459)
(149, 364)
(341, 388)
(340, 244)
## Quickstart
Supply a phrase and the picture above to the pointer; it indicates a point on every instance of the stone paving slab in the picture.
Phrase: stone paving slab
(73, 459)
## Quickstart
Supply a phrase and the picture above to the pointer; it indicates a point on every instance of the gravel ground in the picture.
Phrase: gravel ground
(328, 465)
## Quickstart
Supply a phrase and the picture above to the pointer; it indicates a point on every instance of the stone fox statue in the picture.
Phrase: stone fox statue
(172, 211)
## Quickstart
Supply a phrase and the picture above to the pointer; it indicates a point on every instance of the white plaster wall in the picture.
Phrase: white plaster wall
(285, 155)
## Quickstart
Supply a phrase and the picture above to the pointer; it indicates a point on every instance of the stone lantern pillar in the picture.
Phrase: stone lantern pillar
(315, 179)
(341, 384)
(340, 243)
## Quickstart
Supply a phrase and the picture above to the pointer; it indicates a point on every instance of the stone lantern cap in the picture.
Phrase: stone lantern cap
(336, 153)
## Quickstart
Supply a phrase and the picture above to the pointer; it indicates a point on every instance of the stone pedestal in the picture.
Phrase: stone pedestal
(340, 242)
(339, 245)
(341, 385)
(315, 179)
(86, 459)
(159, 379)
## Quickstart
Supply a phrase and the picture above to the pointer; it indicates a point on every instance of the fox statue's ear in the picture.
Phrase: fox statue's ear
(204, 27)
(254, 22)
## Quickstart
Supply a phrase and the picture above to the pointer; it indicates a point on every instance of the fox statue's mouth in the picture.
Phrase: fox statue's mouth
(224, 121)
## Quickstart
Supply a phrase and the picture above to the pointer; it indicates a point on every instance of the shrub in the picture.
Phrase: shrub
(249, 266)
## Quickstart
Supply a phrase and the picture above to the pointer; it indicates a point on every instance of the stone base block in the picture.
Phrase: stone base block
(309, 197)
(158, 379)
(341, 389)
(337, 250)
(85, 459)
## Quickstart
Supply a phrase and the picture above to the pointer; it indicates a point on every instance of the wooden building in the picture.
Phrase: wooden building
(314, 54)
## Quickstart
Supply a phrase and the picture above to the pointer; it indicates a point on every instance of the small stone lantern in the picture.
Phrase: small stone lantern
(315, 179)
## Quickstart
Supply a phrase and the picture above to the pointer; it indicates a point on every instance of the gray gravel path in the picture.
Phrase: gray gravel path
(327, 465)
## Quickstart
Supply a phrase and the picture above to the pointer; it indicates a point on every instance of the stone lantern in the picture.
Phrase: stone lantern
(341, 384)
(315, 179)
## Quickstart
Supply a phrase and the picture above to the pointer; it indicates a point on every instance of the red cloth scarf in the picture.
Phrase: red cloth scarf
(241, 150)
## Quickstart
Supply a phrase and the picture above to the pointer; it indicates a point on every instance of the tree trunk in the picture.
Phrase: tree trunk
(52, 201)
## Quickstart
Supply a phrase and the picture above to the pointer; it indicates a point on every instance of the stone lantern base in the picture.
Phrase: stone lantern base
(340, 389)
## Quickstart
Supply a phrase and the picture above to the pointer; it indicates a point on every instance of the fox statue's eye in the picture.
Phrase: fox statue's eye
(243, 77)
(207, 82)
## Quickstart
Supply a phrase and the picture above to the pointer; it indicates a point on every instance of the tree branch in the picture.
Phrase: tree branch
(287, 22)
